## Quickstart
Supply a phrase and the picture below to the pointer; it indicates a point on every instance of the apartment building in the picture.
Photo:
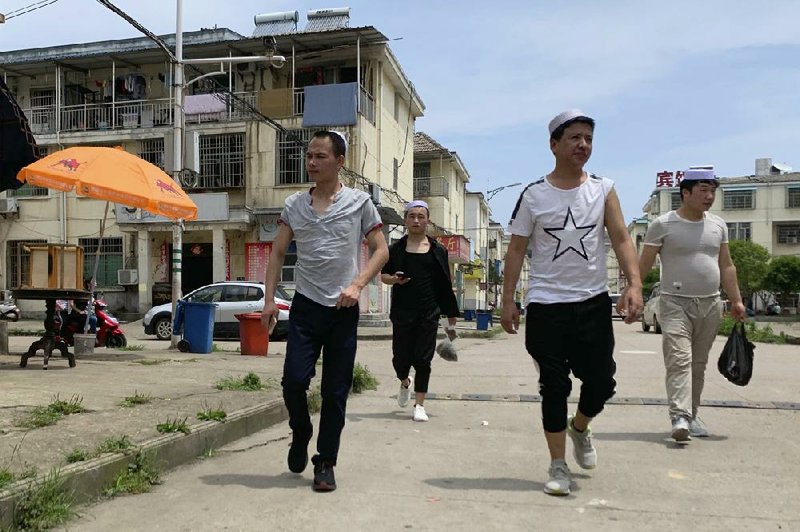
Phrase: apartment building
(763, 208)
(440, 179)
(246, 126)
(477, 219)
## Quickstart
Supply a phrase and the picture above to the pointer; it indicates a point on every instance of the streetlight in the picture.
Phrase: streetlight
(491, 193)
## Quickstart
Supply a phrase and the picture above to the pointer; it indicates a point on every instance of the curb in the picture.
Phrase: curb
(86, 480)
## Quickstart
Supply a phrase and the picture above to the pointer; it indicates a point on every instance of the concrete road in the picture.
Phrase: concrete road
(481, 464)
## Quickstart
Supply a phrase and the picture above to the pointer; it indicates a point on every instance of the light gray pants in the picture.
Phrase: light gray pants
(689, 326)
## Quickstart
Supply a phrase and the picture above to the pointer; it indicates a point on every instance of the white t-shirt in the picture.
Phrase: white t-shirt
(567, 239)
(689, 253)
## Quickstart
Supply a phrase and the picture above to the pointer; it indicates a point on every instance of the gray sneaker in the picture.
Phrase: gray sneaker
(680, 429)
(585, 453)
(697, 428)
(560, 479)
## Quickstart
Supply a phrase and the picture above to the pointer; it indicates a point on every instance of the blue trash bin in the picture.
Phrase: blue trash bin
(483, 319)
(198, 325)
(469, 314)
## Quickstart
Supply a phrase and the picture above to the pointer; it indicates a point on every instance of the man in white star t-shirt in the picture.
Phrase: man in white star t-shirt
(563, 217)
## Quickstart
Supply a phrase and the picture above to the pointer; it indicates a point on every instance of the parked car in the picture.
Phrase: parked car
(231, 298)
(614, 312)
(650, 314)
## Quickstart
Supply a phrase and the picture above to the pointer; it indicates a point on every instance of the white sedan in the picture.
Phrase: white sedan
(230, 298)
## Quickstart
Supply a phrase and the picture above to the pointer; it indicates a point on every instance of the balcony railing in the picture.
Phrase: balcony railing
(126, 115)
(426, 187)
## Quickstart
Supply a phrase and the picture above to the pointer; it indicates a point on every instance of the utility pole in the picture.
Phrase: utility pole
(177, 152)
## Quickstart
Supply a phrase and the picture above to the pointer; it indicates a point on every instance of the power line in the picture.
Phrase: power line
(29, 8)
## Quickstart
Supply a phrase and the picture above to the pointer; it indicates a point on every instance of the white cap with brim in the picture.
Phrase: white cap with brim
(565, 117)
(699, 174)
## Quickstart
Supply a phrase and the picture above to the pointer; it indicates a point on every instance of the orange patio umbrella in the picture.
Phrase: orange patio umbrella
(111, 174)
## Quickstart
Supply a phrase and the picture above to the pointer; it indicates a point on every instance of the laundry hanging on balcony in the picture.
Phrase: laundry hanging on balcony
(330, 105)
(17, 145)
(203, 106)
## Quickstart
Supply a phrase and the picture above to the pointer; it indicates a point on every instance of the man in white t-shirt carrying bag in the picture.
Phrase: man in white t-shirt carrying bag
(562, 216)
(693, 245)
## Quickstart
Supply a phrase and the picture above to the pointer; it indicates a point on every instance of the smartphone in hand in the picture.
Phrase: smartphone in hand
(401, 275)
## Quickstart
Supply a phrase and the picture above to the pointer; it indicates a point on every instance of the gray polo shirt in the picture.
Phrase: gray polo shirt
(689, 253)
(329, 244)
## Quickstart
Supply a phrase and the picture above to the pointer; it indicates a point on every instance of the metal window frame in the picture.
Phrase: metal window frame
(111, 246)
(738, 200)
(18, 261)
(793, 197)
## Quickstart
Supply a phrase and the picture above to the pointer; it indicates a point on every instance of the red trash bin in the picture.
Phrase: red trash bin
(253, 337)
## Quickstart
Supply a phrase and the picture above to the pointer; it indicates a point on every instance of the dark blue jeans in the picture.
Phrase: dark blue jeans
(314, 328)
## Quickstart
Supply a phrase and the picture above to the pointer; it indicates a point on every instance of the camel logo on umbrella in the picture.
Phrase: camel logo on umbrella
(166, 187)
(71, 165)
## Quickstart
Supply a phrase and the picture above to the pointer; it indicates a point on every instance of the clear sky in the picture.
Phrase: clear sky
(671, 84)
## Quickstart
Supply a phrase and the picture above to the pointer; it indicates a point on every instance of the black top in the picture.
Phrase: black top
(416, 299)
(437, 274)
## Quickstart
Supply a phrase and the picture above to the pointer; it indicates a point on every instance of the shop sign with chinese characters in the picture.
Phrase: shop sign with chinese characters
(669, 179)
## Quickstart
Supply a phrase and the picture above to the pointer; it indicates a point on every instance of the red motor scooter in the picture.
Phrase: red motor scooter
(108, 332)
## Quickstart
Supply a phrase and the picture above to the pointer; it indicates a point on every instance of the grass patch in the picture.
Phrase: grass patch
(133, 347)
(211, 414)
(6, 477)
(754, 332)
(77, 455)
(42, 416)
(174, 425)
(152, 361)
(140, 475)
(115, 444)
(250, 383)
(44, 505)
(363, 379)
(315, 400)
(136, 399)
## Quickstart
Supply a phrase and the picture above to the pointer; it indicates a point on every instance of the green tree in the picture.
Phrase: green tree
(652, 277)
(752, 263)
(783, 276)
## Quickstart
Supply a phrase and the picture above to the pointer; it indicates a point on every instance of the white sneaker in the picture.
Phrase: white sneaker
(419, 413)
(405, 392)
(585, 453)
(698, 429)
(560, 479)
(680, 429)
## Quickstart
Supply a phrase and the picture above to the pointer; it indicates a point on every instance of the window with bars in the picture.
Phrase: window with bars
(422, 169)
(18, 262)
(292, 156)
(739, 231)
(289, 263)
(31, 191)
(222, 161)
(738, 199)
(43, 97)
(789, 234)
(110, 259)
(793, 197)
(152, 151)
(675, 200)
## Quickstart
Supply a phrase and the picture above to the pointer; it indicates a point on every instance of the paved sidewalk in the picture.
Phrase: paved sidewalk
(480, 463)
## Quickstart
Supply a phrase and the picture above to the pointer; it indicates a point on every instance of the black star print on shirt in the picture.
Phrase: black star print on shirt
(570, 236)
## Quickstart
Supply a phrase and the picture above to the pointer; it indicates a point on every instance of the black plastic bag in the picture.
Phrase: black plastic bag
(736, 360)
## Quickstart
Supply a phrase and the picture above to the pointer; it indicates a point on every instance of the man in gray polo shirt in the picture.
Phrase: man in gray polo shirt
(693, 246)
(328, 224)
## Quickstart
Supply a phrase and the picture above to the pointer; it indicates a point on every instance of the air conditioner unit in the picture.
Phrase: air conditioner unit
(8, 205)
(127, 277)
(375, 193)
